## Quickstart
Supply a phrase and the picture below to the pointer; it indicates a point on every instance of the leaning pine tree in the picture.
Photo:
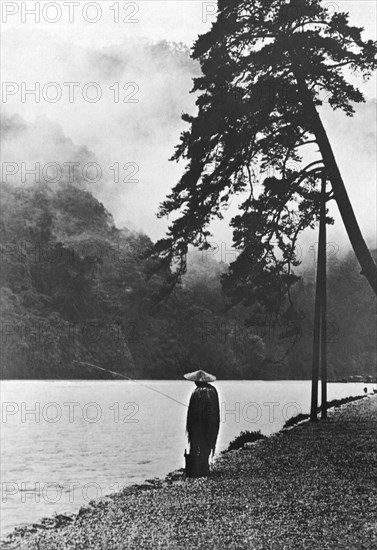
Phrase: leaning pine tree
(265, 67)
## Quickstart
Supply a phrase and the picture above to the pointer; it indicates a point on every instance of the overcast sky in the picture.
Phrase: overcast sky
(142, 134)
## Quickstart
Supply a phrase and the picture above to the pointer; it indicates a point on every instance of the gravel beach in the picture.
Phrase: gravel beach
(311, 487)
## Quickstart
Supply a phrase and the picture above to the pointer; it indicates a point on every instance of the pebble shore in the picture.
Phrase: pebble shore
(312, 487)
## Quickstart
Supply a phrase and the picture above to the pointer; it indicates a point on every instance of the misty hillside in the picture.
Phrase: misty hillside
(77, 288)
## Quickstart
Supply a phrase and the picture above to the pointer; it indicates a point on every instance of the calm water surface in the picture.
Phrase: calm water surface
(66, 442)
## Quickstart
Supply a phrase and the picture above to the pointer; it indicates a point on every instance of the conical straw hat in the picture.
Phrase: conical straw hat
(200, 376)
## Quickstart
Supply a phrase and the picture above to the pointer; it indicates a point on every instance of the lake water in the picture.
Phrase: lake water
(66, 442)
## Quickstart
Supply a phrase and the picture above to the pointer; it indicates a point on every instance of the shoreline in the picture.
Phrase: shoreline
(64, 518)
(34, 535)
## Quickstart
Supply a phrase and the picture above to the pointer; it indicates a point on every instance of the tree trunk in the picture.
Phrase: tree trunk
(369, 268)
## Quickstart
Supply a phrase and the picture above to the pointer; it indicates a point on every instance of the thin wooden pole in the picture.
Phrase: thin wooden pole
(315, 359)
(323, 299)
(316, 347)
(319, 329)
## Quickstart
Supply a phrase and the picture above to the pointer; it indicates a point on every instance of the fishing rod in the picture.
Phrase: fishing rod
(131, 380)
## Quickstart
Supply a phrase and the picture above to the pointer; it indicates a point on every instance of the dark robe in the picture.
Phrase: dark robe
(203, 420)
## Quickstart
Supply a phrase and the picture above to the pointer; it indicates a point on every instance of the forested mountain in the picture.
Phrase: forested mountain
(76, 288)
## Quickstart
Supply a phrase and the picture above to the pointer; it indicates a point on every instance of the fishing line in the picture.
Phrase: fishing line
(131, 380)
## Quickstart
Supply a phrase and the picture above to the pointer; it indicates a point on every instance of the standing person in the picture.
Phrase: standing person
(203, 421)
